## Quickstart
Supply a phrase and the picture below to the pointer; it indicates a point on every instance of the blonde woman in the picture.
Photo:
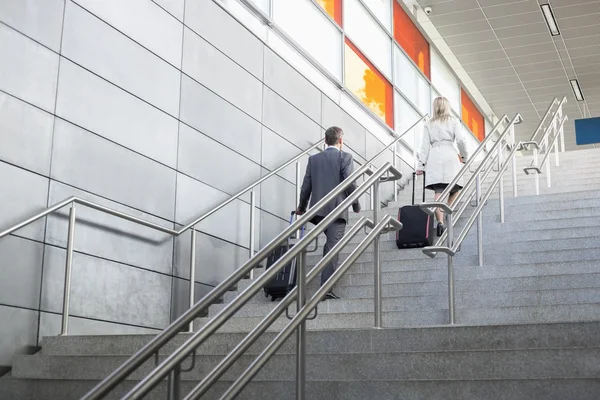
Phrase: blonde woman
(437, 156)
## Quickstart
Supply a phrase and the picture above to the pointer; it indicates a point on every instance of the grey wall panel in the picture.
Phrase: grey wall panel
(231, 223)
(175, 7)
(214, 164)
(23, 194)
(94, 104)
(287, 121)
(220, 120)
(207, 65)
(25, 134)
(40, 20)
(50, 326)
(216, 259)
(106, 236)
(180, 301)
(290, 84)
(106, 290)
(143, 21)
(270, 226)
(276, 151)
(218, 28)
(100, 48)
(29, 70)
(20, 272)
(20, 333)
(278, 196)
(354, 133)
(88, 162)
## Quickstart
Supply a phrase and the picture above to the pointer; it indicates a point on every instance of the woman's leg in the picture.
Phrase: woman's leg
(439, 214)
(453, 197)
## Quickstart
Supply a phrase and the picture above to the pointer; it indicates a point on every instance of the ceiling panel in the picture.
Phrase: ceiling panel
(507, 50)
(521, 30)
(461, 29)
(457, 18)
(516, 20)
(487, 65)
(576, 10)
(503, 10)
(529, 40)
(476, 48)
(578, 22)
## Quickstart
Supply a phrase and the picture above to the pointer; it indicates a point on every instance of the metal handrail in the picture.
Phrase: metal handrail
(304, 312)
(495, 155)
(72, 221)
(268, 320)
(202, 334)
(548, 113)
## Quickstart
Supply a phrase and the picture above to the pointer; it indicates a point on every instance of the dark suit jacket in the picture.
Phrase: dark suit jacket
(324, 172)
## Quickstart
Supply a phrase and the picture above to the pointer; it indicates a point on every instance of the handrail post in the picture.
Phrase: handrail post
(501, 185)
(298, 188)
(395, 166)
(192, 298)
(450, 244)
(376, 260)
(514, 162)
(537, 175)
(479, 223)
(301, 332)
(68, 269)
(174, 384)
(548, 176)
(252, 228)
(556, 133)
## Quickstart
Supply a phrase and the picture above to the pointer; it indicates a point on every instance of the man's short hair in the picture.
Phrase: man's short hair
(333, 135)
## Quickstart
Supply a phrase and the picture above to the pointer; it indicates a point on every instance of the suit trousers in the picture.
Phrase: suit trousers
(334, 233)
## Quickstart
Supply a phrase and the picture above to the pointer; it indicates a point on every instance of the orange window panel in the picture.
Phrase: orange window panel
(368, 84)
(411, 40)
(471, 116)
(333, 8)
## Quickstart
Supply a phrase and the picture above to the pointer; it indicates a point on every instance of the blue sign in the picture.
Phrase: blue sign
(587, 131)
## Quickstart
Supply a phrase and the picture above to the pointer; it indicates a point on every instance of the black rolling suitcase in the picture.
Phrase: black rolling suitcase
(285, 280)
(417, 230)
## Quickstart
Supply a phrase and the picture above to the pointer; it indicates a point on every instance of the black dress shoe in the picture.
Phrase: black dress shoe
(331, 296)
(440, 229)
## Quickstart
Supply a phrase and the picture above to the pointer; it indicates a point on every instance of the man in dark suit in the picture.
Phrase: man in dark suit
(324, 172)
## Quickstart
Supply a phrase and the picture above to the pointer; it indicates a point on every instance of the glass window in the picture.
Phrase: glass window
(363, 79)
(410, 81)
(382, 9)
(471, 116)
(333, 8)
(411, 39)
(312, 30)
(405, 117)
(444, 80)
(362, 29)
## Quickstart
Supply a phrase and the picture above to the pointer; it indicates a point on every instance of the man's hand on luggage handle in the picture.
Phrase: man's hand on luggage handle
(299, 212)
(419, 172)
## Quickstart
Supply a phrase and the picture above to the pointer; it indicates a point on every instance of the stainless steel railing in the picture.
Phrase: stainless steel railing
(385, 173)
(549, 140)
(494, 158)
(73, 201)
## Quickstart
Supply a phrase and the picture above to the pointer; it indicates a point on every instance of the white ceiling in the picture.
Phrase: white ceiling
(507, 50)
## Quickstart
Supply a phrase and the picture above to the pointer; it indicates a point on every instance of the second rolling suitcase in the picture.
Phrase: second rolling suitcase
(417, 225)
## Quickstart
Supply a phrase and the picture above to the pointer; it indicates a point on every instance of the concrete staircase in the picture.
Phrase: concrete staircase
(528, 321)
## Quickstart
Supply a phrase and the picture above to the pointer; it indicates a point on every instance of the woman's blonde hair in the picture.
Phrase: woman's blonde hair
(441, 109)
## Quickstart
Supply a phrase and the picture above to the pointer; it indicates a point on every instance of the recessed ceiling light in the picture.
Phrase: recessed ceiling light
(550, 20)
(576, 90)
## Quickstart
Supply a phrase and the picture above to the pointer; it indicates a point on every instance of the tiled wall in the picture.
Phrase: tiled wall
(121, 103)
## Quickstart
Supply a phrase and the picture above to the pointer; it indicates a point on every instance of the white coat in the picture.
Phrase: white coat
(438, 156)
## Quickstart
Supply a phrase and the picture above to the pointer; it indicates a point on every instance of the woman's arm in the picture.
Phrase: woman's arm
(423, 154)
(461, 141)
